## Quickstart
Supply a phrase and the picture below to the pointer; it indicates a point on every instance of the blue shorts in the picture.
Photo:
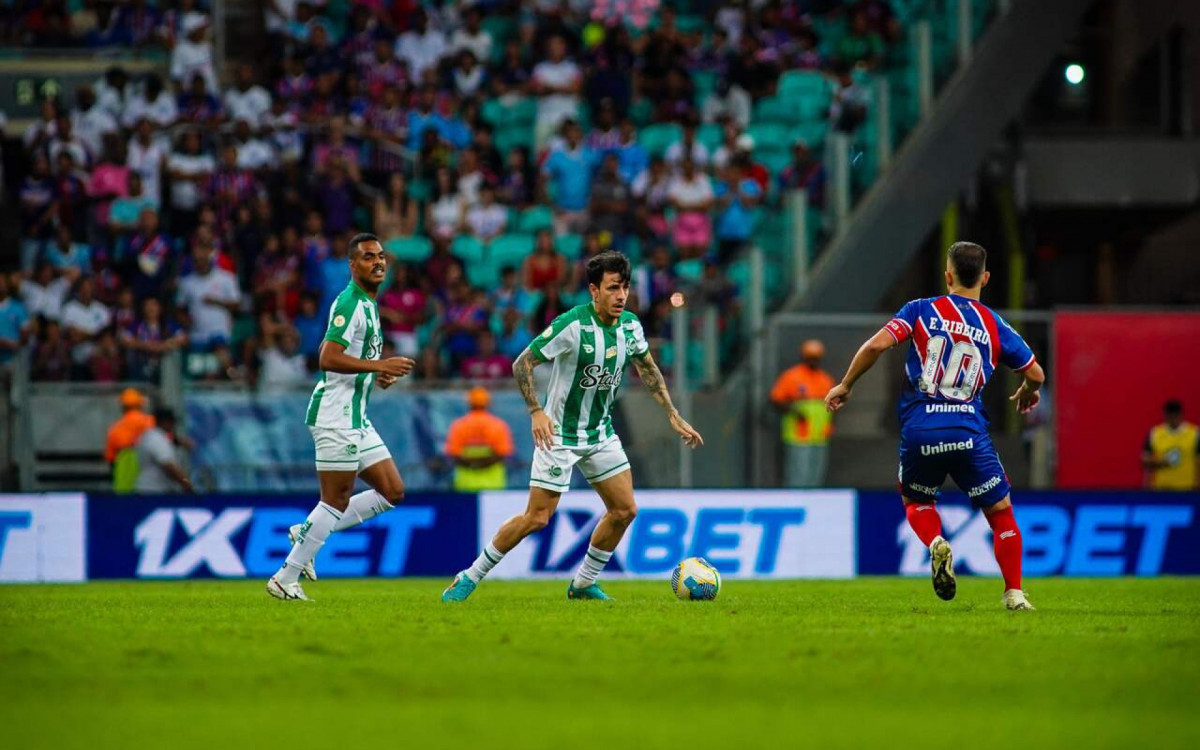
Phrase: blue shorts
(967, 455)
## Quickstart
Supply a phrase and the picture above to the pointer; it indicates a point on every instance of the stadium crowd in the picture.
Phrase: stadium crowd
(493, 146)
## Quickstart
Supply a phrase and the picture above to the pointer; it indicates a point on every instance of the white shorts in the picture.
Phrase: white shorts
(552, 468)
(348, 450)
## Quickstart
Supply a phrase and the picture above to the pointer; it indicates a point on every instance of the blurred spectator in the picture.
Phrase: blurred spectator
(714, 288)
(737, 199)
(386, 126)
(557, 81)
(471, 36)
(276, 280)
(548, 309)
(146, 155)
(652, 189)
(208, 297)
(45, 291)
(655, 281)
(154, 103)
(193, 54)
(691, 194)
(229, 186)
(65, 140)
(848, 109)
(149, 257)
(799, 393)
(149, 339)
(14, 321)
(105, 365)
(510, 294)
(634, 159)
(804, 173)
(190, 170)
(518, 184)
(123, 435)
(246, 100)
(283, 366)
(70, 195)
(395, 211)
(311, 323)
(83, 318)
(861, 46)
(604, 137)
(444, 214)
(108, 181)
(67, 255)
(403, 308)
(421, 47)
(487, 219)
(198, 104)
(253, 153)
(514, 337)
(546, 267)
(570, 172)
(1171, 453)
(159, 466)
(610, 204)
(38, 210)
(727, 100)
(487, 363)
(51, 353)
(464, 318)
(125, 211)
(468, 75)
(687, 147)
(479, 443)
(442, 265)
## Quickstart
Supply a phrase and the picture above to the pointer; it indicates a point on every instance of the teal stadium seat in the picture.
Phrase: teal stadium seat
(777, 109)
(409, 249)
(767, 136)
(690, 270)
(510, 249)
(570, 245)
(468, 249)
(657, 138)
(711, 135)
(534, 219)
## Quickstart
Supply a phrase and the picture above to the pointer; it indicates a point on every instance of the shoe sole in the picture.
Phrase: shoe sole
(942, 561)
(275, 590)
(309, 571)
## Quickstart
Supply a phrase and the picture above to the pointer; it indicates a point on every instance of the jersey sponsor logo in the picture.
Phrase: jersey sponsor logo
(373, 347)
(556, 471)
(922, 488)
(947, 447)
(588, 348)
(595, 376)
(351, 450)
(548, 332)
(960, 328)
(339, 321)
(612, 352)
(949, 409)
(988, 485)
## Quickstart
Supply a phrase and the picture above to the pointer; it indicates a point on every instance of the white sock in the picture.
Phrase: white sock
(488, 559)
(312, 537)
(363, 507)
(593, 562)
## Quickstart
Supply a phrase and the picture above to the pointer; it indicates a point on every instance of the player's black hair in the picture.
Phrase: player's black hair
(609, 261)
(358, 239)
(1173, 407)
(969, 261)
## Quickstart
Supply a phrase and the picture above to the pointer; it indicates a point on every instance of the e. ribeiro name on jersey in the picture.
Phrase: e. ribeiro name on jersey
(587, 359)
(339, 400)
(957, 344)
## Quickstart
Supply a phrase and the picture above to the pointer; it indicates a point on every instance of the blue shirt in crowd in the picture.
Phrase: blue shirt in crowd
(571, 172)
(736, 222)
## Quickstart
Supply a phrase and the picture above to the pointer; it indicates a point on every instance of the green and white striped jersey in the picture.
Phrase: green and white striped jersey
(340, 401)
(588, 359)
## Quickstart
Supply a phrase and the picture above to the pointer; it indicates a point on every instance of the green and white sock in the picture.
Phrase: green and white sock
(363, 507)
(313, 534)
(488, 559)
(593, 563)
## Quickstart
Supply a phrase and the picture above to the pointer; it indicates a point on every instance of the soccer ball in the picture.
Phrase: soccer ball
(696, 579)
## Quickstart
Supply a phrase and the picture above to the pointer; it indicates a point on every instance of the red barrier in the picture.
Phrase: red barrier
(1113, 371)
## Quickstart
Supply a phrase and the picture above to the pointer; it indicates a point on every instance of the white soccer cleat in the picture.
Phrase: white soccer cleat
(1015, 599)
(286, 591)
(309, 571)
(941, 560)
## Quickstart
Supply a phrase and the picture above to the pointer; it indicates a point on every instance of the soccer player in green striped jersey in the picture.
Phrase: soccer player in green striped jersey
(347, 445)
(588, 348)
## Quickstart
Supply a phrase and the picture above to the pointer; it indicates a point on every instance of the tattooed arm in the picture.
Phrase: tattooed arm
(543, 429)
(648, 371)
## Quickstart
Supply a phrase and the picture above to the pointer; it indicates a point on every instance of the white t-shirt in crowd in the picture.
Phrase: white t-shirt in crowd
(480, 44)
(255, 154)
(209, 322)
(46, 300)
(692, 192)
(557, 107)
(250, 105)
(487, 221)
(185, 194)
(147, 161)
(155, 450)
(162, 111)
(91, 319)
(280, 371)
(675, 154)
(421, 51)
(91, 127)
(191, 58)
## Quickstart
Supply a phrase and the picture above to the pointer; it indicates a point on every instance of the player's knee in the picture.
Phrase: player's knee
(394, 494)
(536, 520)
(623, 516)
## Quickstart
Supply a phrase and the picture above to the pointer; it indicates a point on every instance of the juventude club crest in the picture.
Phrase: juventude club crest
(595, 376)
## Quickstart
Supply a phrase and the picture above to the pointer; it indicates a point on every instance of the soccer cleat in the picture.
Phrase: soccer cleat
(593, 592)
(1015, 599)
(309, 571)
(286, 591)
(460, 589)
(941, 559)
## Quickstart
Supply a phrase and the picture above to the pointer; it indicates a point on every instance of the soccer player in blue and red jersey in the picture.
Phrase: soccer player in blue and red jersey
(958, 342)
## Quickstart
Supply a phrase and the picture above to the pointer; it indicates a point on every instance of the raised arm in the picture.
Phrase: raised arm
(648, 371)
(864, 359)
(543, 428)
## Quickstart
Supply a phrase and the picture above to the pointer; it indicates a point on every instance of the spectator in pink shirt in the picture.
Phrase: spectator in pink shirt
(487, 363)
(109, 180)
(403, 308)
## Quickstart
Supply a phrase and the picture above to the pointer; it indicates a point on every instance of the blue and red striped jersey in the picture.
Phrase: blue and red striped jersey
(957, 344)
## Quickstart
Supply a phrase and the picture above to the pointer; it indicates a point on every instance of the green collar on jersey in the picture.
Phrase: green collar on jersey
(358, 291)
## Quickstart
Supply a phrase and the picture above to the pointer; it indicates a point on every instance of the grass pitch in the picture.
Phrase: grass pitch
(877, 663)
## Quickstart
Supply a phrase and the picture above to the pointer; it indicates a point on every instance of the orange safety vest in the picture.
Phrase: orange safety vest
(803, 390)
(479, 434)
(125, 433)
